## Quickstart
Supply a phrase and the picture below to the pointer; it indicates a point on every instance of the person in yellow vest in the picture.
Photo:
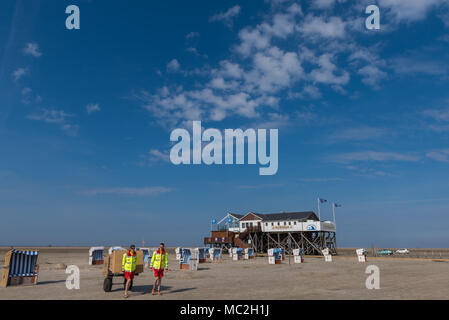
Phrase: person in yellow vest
(159, 263)
(129, 263)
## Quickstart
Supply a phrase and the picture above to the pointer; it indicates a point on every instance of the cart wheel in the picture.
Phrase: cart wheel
(107, 285)
(130, 285)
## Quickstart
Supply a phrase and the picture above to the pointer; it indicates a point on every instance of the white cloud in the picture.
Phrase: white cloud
(145, 191)
(192, 34)
(19, 73)
(32, 49)
(194, 51)
(319, 179)
(438, 114)
(173, 66)
(155, 155)
(323, 4)
(274, 70)
(26, 91)
(259, 38)
(308, 92)
(58, 117)
(441, 118)
(325, 74)
(226, 17)
(358, 134)
(333, 27)
(261, 186)
(409, 10)
(439, 155)
(420, 65)
(230, 70)
(274, 121)
(374, 156)
(252, 39)
(92, 107)
(372, 75)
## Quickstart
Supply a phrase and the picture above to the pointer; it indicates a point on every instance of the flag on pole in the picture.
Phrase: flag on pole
(337, 205)
(214, 221)
(229, 219)
(322, 200)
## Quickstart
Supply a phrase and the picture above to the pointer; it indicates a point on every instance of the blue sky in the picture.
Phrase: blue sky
(86, 116)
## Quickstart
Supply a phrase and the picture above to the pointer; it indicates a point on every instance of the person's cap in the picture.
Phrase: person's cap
(132, 246)
(162, 243)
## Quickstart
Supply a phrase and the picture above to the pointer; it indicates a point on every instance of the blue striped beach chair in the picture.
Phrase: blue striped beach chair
(185, 257)
(96, 255)
(215, 254)
(201, 252)
(207, 252)
(237, 254)
(276, 255)
(21, 268)
(249, 253)
(147, 255)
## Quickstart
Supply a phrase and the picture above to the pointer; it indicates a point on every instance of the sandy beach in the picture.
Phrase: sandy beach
(344, 278)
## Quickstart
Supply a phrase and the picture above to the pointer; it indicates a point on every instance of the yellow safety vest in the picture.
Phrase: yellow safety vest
(159, 261)
(129, 262)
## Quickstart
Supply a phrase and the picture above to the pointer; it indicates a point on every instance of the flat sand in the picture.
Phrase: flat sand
(344, 278)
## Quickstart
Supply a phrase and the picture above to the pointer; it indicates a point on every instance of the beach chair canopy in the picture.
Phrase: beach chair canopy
(201, 253)
(115, 248)
(186, 255)
(23, 263)
(97, 253)
(216, 253)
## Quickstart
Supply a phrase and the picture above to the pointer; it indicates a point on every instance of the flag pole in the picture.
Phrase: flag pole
(333, 211)
(319, 215)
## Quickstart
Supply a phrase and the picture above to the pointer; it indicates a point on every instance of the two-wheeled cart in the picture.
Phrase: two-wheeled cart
(113, 268)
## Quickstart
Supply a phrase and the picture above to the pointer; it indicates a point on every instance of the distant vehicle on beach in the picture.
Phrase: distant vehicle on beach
(402, 251)
(384, 252)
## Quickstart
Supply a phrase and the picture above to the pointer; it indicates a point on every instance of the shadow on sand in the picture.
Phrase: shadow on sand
(49, 282)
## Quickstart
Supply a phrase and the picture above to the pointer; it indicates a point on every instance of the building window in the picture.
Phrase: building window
(295, 223)
(279, 223)
(289, 223)
(272, 223)
(266, 224)
(285, 223)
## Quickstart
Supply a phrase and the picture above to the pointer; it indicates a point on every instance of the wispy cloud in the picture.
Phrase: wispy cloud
(155, 155)
(333, 27)
(92, 107)
(227, 16)
(408, 11)
(320, 179)
(260, 186)
(439, 155)
(173, 66)
(194, 51)
(192, 34)
(440, 118)
(420, 65)
(368, 172)
(357, 134)
(374, 156)
(19, 73)
(59, 117)
(32, 49)
(145, 191)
